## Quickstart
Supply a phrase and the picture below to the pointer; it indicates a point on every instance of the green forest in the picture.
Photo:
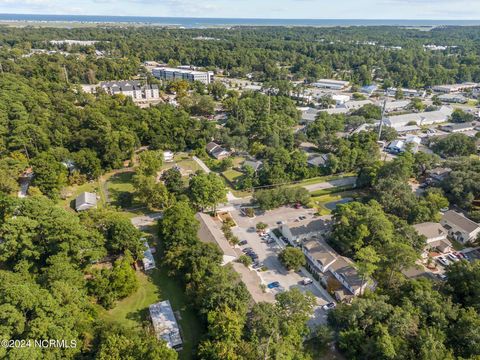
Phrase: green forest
(52, 281)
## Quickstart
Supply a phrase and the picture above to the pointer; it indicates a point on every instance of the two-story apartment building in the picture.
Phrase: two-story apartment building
(330, 267)
(460, 227)
(132, 88)
(301, 230)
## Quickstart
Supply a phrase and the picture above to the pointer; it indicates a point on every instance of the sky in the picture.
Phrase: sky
(279, 9)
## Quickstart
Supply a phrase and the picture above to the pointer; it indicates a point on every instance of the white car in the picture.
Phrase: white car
(443, 261)
(329, 306)
(307, 281)
(453, 257)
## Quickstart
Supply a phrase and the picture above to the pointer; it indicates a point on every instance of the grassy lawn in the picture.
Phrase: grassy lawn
(75, 190)
(185, 162)
(156, 286)
(320, 179)
(121, 183)
(333, 190)
(241, 193)
(320, 201)
(232, 176)
(133, 310)
(238, 161)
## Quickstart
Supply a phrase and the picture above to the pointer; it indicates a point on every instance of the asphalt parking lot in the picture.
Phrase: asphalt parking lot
(268, 255)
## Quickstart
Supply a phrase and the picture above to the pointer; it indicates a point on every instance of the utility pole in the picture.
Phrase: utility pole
(66, 73)
(382, 119)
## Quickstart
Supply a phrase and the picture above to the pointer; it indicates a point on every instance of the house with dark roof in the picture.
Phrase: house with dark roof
(460, 227)
(459, 127)
(254, 164)
(317, 160)
(439, 174)
(217, 151)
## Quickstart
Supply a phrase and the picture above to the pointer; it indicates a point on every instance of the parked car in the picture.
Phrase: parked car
(443, 261)
(442, 277)
(270, 241)
(329, 306)
(246, 250)
(459, 255)
(453, 257)
(257, 265)
(243, 242)
(273, 285)
(306, 281)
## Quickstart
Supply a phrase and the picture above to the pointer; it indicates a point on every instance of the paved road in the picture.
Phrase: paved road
(230, 196)
(351, 180)
(201, 164)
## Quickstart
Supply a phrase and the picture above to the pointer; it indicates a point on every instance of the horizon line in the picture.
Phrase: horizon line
(241, 18)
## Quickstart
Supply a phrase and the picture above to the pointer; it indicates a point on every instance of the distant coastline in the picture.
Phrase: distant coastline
(187, 22)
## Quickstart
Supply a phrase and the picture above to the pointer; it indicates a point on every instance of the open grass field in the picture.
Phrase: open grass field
(232, 176)
(157, 286)
(321, 179)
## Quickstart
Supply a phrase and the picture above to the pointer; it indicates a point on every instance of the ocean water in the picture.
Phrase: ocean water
(225, 22)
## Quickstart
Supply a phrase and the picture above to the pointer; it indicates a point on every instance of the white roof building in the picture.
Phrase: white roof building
(391, 106)
(85, 201)
(419, 119)
(355, 104)
(460, 227)
(331, 84)
(148, 259)
(452, 88)
(183, 73)
(168, 156)
(165, 324)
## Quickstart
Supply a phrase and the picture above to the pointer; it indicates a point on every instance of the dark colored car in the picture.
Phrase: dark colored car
(273, 285)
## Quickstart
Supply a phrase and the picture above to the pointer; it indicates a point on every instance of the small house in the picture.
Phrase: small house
(85, 201)
(460, 227)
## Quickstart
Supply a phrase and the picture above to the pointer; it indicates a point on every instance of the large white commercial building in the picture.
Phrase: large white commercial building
(132, 88)
(454, 88)
(419, 119)
(407, 92)
(331, 84)
(167, 73)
